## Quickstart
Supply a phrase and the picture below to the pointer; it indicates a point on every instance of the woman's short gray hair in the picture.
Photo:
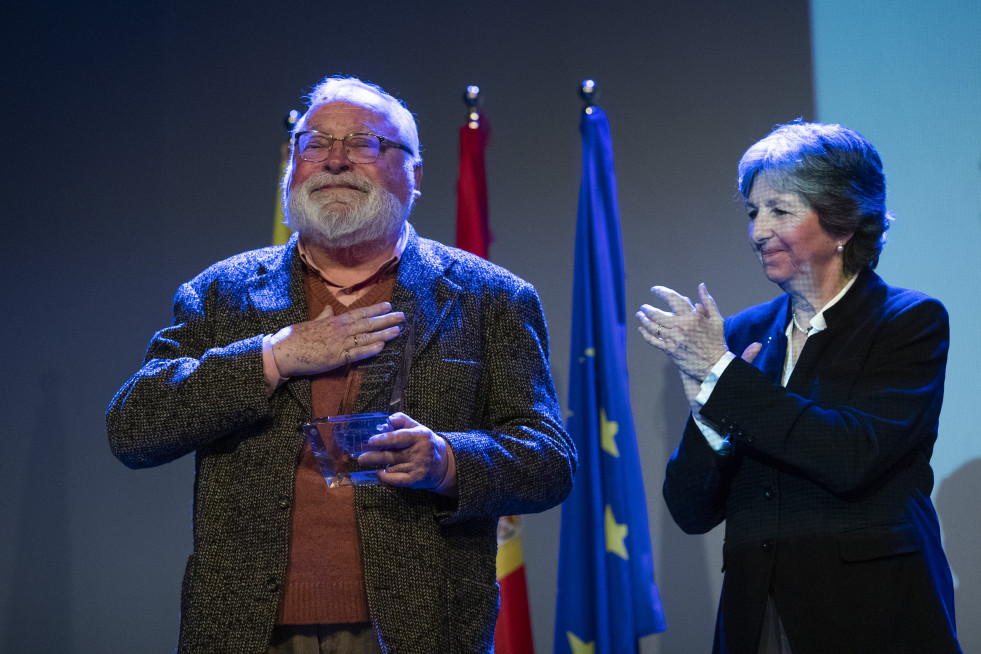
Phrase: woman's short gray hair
(836, 172)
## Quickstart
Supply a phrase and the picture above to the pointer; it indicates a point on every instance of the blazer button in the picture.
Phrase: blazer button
(767, 544)
(768, 493)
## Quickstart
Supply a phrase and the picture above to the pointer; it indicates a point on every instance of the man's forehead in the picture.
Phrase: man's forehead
(345, 114)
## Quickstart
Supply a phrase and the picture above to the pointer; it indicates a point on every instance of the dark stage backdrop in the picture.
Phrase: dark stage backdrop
(142, 143)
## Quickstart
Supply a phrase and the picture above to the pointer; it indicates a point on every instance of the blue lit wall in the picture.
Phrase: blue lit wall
(907, 75)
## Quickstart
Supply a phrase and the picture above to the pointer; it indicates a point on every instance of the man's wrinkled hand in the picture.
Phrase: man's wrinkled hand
(329, 341)
(413, 455)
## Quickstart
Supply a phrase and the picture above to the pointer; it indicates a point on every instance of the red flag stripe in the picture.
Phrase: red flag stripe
(472, 233)
(513, 632)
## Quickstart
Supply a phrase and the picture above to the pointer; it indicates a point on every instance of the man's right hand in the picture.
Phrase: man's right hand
(330, 341)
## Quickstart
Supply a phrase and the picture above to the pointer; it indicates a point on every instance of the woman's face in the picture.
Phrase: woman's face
(788, 238)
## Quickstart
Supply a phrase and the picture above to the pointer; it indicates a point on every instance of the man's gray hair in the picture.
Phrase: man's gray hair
(351, 89)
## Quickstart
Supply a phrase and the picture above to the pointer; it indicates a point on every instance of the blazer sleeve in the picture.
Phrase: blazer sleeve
(519, 459)
(189, 391)
(696, 483)
(874, 399)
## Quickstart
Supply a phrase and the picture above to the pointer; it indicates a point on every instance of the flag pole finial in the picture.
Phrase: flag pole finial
(471, 96)
(291, 119)
(588, 92)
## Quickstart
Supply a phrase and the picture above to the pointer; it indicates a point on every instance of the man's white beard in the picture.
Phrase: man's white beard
(348, 218)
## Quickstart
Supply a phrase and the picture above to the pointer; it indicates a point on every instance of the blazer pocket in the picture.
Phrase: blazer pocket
(877, 541)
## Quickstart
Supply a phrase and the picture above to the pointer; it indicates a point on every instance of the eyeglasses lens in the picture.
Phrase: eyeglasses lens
(360, 148)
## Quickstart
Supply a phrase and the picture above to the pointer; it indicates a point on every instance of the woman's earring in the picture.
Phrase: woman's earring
(841, 246)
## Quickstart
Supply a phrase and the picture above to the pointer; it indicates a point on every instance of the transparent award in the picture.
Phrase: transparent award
(338, 441)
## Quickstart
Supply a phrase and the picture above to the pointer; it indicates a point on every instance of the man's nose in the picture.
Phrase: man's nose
(336, 160)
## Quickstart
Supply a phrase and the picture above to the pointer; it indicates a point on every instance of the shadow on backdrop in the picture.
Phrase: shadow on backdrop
(39, 613)
(960, 517)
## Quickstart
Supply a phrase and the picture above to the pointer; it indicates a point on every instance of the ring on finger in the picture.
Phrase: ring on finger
(657, 334)
(347, 358)
(355, 340)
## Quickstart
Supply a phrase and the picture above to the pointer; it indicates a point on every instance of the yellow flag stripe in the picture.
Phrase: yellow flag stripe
(281, 233)
(509, 557)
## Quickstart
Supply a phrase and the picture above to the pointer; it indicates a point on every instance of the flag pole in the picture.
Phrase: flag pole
(588, 93)
(281, 233)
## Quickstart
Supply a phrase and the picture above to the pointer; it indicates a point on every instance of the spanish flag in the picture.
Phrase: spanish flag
(513, 632)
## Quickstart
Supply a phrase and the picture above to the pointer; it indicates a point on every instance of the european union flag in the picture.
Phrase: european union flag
(607, 598)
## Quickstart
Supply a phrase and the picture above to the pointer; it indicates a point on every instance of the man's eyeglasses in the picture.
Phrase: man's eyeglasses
(360, 147)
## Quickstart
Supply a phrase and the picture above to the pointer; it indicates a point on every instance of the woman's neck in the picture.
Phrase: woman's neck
(809, 297)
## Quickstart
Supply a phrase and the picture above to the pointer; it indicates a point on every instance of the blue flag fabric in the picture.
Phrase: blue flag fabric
(607, 598)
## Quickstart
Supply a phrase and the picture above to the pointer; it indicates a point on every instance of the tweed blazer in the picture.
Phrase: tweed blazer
(479, 376)
(826, 490)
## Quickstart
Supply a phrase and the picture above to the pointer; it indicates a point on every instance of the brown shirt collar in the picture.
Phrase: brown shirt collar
(386, 270)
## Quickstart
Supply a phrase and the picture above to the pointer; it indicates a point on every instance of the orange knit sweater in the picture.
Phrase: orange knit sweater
(324, 582)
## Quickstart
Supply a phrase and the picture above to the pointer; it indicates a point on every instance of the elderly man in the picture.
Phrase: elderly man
(357, 313)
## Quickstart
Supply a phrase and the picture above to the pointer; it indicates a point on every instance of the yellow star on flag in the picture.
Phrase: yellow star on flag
(579, 647)
(615, 535)
(608, 434)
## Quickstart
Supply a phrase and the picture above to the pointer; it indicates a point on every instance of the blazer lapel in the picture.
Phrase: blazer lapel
(771, 357)
(276, 299)
(802, 378)
(424, 294)
(841, 320)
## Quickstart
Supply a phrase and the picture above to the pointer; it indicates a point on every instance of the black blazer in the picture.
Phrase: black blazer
(826, 488)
